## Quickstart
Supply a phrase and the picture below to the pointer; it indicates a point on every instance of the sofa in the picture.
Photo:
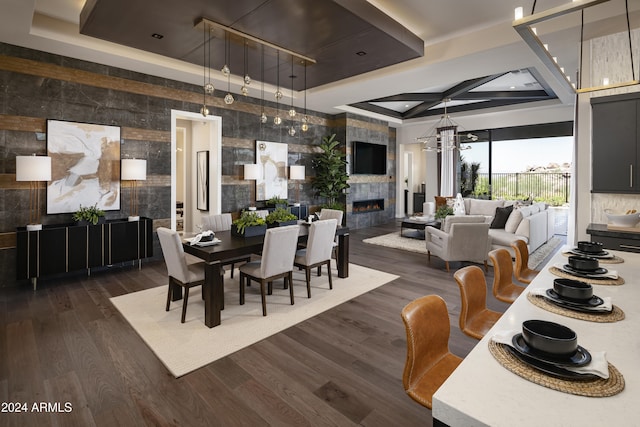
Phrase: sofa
(532, 223)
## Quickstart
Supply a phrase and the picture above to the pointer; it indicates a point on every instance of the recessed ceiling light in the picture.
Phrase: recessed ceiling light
(512, 87)
(361, 53)
(157, 36)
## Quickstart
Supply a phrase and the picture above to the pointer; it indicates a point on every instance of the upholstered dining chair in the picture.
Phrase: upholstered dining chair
(222, 222)
(318, 250)
(336, 214)
(429, 361)
(475, 318)
(523, 273)
(181, 272)
(461, 238)
(278, 252)
(503, 287)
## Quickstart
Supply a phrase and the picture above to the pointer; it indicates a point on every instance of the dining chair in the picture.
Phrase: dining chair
(503, 287)
(318, 250)
(222, 222)
(523, 273)
(181, 273)
(429, 361)
(278, 252)
(475, 318)
(336, 214)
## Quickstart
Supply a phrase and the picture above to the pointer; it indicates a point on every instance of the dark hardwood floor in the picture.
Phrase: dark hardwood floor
(67, 346)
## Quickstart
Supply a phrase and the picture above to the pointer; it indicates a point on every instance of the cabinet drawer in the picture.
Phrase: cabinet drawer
(618, 244)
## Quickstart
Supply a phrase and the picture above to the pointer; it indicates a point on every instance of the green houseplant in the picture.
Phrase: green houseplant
(249, 224)
(276, 201)
(280, 217)
(331, 177)
(90, 214)
(443, 211)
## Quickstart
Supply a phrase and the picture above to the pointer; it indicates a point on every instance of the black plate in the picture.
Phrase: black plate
(594, 301)
(600, 254)
(584, 273)
(550, 369)
(580, 358)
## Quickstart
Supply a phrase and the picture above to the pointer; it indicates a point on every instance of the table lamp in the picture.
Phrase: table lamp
(133, 170)
(296, 173)
(252, 172)
(33, 169)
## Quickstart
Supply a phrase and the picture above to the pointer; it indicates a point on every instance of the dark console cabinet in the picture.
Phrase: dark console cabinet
(616, 144)
(70, 247)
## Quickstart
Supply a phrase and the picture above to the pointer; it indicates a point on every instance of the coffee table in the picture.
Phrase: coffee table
(415, 224)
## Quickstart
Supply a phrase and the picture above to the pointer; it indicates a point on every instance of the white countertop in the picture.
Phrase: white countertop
(482, 392)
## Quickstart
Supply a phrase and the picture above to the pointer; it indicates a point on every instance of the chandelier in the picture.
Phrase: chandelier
(445, 135)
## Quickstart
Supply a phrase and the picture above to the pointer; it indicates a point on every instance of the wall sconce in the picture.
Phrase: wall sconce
(133, 170)
(296, 173)
(33, 169)
(252, 172)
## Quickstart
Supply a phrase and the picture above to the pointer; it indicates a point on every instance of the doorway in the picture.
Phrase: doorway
(191, 133)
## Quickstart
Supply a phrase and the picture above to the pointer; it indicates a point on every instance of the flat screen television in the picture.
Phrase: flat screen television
(369, 159)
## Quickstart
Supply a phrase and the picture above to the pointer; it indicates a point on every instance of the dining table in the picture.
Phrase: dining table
(483, 392)
(233, 246)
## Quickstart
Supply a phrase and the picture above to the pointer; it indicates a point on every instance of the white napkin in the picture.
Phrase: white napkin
(610, 274)
(606, 306)
(598, 365)
(204, 234)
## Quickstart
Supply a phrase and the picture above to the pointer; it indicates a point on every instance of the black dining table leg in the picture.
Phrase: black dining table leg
(343, 255)
(213, 294)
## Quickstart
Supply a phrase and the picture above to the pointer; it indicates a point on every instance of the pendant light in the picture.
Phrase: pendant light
(228, 98)
(247, 80)
(277, 120)
(263, 116)
(292, 111)
(305, 118)
(207, 86)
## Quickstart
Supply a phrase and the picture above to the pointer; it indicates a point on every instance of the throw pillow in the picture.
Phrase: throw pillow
(501, 217)
(443, 201)
(513, 222)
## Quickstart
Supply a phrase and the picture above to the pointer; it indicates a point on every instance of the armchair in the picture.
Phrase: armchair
(462, 238)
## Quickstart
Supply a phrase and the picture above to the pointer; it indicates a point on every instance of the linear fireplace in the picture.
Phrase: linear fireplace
(365, 206)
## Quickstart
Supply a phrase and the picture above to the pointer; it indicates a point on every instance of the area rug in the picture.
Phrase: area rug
(393, 240)
(185, 347)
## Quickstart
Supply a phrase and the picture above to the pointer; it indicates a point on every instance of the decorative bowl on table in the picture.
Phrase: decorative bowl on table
(622, 220)
(549, 337)
(583, 263)
(573, 289)
(590, 247)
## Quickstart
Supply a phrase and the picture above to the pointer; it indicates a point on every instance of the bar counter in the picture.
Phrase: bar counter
(481, 392)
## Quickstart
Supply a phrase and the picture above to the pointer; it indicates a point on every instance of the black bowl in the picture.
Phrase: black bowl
(590, 247)
(573, 289)
(549, 337)
(584, 263)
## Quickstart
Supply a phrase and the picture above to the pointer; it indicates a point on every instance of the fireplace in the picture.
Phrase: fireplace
(365, 206)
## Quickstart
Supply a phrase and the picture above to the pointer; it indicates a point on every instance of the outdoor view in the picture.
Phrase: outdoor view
(538, 169)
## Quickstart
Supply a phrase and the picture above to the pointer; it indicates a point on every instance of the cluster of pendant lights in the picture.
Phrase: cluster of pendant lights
(208, 87)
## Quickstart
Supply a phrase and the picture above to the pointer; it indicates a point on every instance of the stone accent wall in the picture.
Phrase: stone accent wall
(37, 86)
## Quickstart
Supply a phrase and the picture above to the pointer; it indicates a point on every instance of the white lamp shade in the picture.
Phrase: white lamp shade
(33, 168)
(133, 170)
(252, 171)
(296, 172)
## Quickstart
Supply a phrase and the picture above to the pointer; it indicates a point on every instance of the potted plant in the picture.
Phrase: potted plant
(89, 215)
(443, 211)
(331, 177)
(281, 217)
(249, 224)
(277, 202)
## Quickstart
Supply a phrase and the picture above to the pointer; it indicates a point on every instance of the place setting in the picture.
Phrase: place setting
(594, 250)
(206, 238)
(575, 299)
(586, 269)
(548, 354)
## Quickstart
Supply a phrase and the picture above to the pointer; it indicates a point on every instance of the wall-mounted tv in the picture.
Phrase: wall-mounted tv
(369, 159)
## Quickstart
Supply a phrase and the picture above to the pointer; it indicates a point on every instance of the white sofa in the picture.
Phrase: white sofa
(531, 223)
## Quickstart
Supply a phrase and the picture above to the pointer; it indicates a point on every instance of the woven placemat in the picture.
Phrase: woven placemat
(561, 273)
(598, 387)
(615, 260)
(614, 315)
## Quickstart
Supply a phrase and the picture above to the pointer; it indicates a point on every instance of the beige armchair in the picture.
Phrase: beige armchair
(462, 238)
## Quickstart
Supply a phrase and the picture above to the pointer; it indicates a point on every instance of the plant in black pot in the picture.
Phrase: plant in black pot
(277, 202)
(249, 224)
(281, 217)
(88, 215)
(330, 165)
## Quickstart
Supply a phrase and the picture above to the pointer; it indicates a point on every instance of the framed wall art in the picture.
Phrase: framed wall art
(202, 180)
(272, 156)
(85, 166)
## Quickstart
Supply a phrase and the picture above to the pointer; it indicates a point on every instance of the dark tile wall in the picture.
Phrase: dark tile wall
(36, 86)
